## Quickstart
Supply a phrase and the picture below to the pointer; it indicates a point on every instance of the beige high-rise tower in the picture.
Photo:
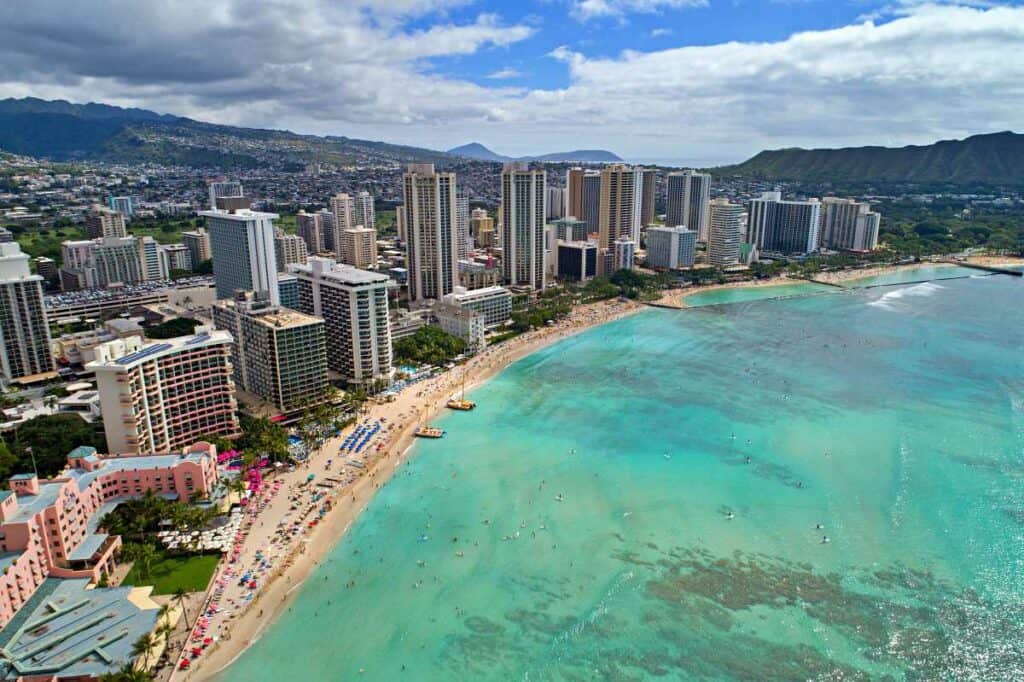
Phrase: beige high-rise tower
(620, 210)
(359, 247)
(522, 225)
(430, 218)
(574, 193)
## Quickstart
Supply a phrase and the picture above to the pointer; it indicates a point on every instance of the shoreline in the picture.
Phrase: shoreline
(677, 297)
(416, 405)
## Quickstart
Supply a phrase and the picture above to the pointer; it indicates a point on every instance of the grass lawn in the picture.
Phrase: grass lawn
(168, 573)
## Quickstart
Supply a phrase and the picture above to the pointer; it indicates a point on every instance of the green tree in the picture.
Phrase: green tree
(261, 436)
(181, 597)
(141, 649)
(51, 438)
(429, 345)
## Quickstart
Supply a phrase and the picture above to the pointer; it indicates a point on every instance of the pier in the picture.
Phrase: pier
(987, 268)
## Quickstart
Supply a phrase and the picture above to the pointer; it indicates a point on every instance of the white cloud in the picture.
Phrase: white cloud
(931, 71)
(584, 10)
(660, 32)
(504, 74)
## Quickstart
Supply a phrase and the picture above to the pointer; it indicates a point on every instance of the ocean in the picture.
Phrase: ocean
(816, 487)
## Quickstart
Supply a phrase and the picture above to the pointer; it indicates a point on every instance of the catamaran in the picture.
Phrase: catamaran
(461, 403)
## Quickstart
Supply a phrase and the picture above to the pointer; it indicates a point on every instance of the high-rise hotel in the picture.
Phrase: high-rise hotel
(24, 332)
(162, 396)
(849, 225)
(354, 305)
(522, 223)
(788, 227)
(687, 202)
(278, 354)
(726, 233)
(432, 232)
(242, 248)
(620, 206)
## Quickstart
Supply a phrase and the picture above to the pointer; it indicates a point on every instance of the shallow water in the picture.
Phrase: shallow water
(755, 293)
(893, 417)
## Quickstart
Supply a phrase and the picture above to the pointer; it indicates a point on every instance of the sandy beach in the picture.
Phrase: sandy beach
(283, 545)
(283, 560)
(676, 298)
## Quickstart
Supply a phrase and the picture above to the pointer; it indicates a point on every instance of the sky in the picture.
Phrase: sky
(691, 82)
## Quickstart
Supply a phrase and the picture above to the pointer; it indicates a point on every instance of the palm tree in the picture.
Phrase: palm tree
(179, 596)
(141, 648)
(164, 628)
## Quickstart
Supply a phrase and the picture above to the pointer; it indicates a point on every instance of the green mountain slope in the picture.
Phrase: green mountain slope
(996, 158)
(61, 130)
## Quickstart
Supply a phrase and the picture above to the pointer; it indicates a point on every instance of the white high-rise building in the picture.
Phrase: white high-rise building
(462, 224)
(849, 225)
(99, 263)
(242, 248)
(24, 332)
(620, 207)
(154, 268)
(625, 252)
(354, 305)
(726, 233)
(787, 227)
(687, 204)
(363, 211)
(671, 248)
(522, 225)
(555, 203)
(431, 226)
(220, 189)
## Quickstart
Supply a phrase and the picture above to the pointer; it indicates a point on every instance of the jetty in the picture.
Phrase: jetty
(987, 268)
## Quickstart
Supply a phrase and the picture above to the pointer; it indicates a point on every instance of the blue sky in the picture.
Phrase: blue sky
(685, 81)
(607, 36)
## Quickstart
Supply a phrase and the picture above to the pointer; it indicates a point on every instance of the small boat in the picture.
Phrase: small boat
(429, 432)
(461, 403)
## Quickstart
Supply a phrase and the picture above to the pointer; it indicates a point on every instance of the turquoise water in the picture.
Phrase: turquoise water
(893, 417)
(916, 273)
(755, 293)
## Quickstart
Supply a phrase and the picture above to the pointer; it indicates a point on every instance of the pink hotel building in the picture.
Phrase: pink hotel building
(51, 528)
(160, 397)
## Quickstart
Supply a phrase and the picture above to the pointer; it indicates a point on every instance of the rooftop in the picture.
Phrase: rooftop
(327, 268)
(67, 630)
(154, 350)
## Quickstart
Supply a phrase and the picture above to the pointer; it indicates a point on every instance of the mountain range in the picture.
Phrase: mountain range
(996, 159)
(63, 131)
(475, 150)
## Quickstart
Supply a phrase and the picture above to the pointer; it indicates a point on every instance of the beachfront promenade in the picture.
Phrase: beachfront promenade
(280, 546)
